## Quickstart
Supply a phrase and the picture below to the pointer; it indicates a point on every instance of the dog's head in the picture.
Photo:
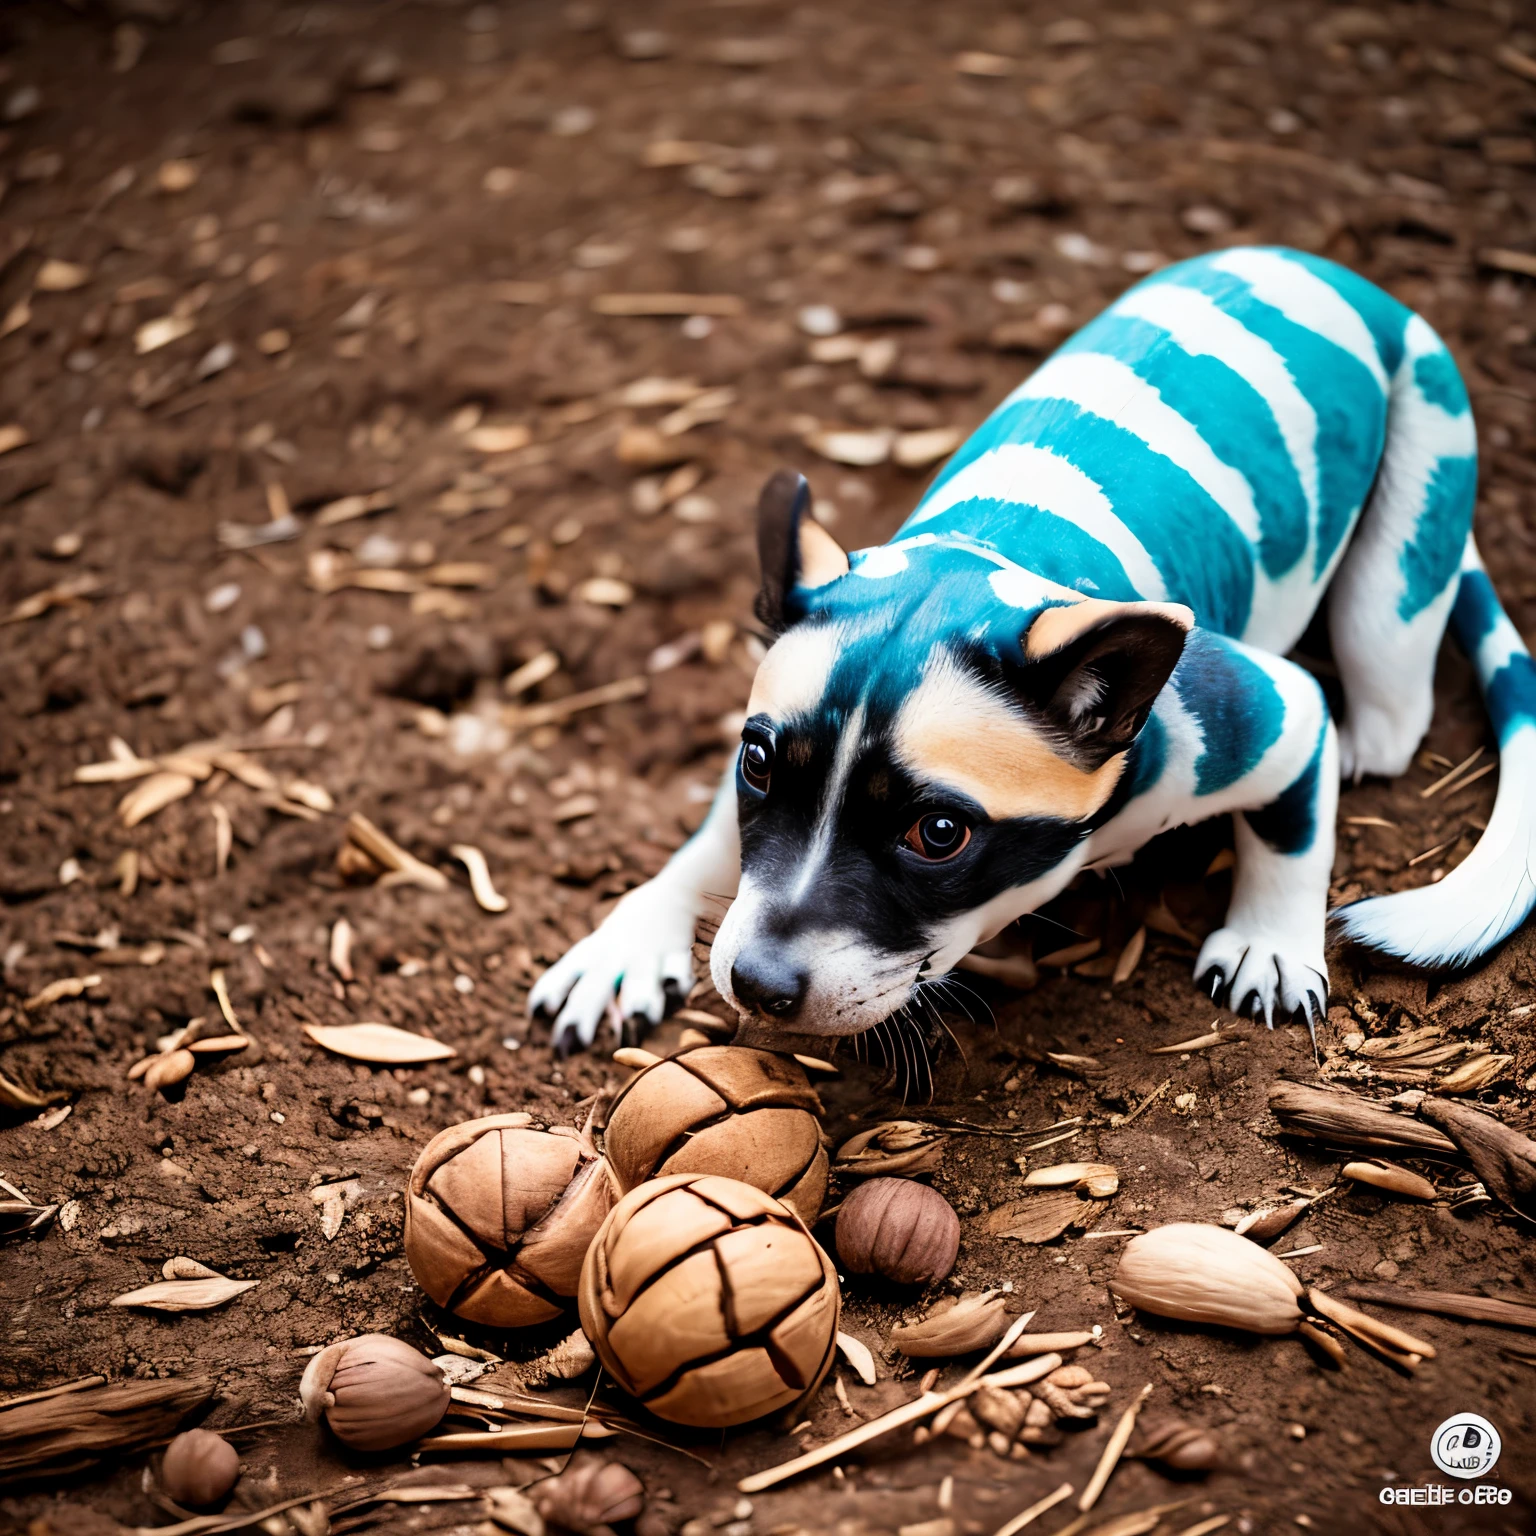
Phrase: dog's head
(929, 742)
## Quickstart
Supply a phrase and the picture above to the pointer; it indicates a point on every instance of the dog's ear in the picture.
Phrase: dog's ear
(1094, 669)
(792, 547)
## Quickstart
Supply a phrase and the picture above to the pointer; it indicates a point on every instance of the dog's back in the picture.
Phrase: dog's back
(1212, 438)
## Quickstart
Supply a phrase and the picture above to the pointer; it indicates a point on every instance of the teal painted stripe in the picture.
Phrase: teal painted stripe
(1351, 409)
(1229, 414)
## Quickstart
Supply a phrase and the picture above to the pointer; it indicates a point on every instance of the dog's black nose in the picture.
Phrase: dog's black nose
(772, 982)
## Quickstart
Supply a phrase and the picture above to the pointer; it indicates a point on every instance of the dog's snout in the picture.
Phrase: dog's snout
(771, 981)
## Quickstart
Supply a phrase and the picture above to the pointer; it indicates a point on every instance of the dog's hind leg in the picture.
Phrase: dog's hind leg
(1389, 603)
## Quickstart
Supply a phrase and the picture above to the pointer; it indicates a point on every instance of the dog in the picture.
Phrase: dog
(1077, 640)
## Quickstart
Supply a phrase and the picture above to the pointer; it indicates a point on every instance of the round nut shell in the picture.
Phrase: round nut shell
(900, 1230)
(498, 1217)
(199, 1468)
(730, 1110)
(709, 1300)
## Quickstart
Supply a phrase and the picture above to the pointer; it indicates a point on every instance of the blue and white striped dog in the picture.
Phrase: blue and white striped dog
(1077, 641)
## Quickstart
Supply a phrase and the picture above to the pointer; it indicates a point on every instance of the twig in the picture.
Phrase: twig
(898, 1418)
(1035, 1510)
(78, 1385)
(1445, 778)
(529, 716)
(402, 868)
(1475, 1309)
(1151, 1098)
(1119, 1438)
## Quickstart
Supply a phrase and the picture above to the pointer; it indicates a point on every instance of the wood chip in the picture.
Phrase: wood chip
(341, 948)
(346, 508)
(1197, 1043)
(1060, 959)
(153, 795)
(381, 1044)
(529, 716)
(54, 1435)
(1474, 1309)
(635, 1057)
(223, 838)
(1034, 1511)
(154, 334)
(917, 450)
(859, 1356)
(1475, 1075)
(185, 1295)
(480, 882)
(168, 1068)
(663, 304)
(604, 592)
(180, 1267)
(1119, 1438)
(1017, 971)
(1521, 263)
(1503, 1158)
(57, 991)
(55, 276)
(219, 1045)
(1130, 957)
(1345, 1119)
(861, 450)
(532, 672)
(1398, 1181)
(994, 66)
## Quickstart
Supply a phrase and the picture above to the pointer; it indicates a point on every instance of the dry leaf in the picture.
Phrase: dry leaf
(185, 1295)
(858, 1355)
(154, 794)
(502, 439)
(379, 1043)
(169, 1068)
(55, 991)
(862, 450)
(154, 334)
(1041, 1218)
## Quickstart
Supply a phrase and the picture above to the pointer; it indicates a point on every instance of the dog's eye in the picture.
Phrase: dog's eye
(757, 764)
(938, 836)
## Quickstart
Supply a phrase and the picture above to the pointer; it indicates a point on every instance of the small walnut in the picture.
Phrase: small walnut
(1000, 1411)
(900, 1230)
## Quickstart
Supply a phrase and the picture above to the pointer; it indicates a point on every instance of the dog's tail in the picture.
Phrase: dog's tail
(1492, 891)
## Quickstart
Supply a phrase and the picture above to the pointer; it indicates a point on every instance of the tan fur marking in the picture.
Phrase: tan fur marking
(792, 677)
(822, 558)
(953, 732)
(1058, 627)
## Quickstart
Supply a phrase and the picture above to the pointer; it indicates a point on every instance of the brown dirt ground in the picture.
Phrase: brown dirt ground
(347, 193)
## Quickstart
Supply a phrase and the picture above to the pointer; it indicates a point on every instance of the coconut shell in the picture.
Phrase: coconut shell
(498, 1217)
(709, 1300)
(730, 1110)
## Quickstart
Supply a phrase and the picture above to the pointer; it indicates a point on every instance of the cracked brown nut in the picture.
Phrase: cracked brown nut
(498, 1217)
(1182, 1446)
(590, 1497)
(724, 1109)
(374, 1391)
(199, 1468)
(904, 1231)
(709, 1300)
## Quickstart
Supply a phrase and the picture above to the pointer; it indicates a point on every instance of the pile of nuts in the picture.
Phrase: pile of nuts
(701, 1289)
(1008, 1422)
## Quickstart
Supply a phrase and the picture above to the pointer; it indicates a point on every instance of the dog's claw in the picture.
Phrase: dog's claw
(1268, 980)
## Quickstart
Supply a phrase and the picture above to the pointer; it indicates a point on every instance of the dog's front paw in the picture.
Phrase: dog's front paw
(642, 953)
(1263, 976)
